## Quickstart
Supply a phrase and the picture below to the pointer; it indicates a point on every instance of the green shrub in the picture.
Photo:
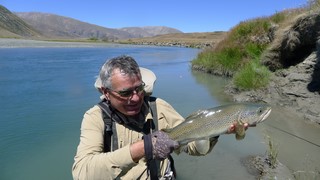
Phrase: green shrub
(239, 52)
(225, 61)
(253, 50)
(252, 76)
(204, 59)
(278, 17)
(230, 58)
(245, 30)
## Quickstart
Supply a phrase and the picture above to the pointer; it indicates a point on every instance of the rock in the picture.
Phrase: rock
(260, 167)
(290, 88)
(293, 43)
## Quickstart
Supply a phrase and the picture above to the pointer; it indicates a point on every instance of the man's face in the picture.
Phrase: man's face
(127, 93)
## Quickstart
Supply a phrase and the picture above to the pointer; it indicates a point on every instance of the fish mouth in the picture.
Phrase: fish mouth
(265, 115)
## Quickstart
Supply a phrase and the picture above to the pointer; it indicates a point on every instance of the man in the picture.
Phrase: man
(137, 145)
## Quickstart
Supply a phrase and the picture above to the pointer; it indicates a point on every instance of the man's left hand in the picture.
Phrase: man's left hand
(232, 128)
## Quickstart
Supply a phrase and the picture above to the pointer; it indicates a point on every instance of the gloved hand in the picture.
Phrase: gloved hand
(158, 145)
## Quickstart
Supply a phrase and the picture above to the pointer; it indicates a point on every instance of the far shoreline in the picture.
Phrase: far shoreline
(30, 43)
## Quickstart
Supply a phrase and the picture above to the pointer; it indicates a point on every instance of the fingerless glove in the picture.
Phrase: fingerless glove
(158, 145)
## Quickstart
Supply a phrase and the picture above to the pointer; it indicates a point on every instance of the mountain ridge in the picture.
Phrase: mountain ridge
(38, 25)
(12, 25)
(55, 26)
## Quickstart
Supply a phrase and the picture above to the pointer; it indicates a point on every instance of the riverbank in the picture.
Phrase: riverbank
(189, 40)
(294, 89)
(28, 43)
(290, 88)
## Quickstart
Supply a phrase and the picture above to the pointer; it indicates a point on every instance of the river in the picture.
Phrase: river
(45, 92)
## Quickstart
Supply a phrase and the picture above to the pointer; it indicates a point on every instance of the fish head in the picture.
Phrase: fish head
(255, 113)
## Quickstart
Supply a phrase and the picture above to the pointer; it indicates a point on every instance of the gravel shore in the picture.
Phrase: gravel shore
(24, 43)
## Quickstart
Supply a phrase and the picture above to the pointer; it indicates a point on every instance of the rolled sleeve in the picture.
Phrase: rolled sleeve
(90, 161)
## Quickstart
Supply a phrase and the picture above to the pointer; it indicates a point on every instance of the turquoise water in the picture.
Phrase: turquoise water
(44, 93)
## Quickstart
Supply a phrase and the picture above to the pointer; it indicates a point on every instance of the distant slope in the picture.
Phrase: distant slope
(54, 26)
(196, 40)
(35, 25)
(149, 31)
(12, 26)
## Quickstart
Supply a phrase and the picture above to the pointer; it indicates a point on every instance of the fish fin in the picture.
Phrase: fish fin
(240, 137)
(166, 130)
(181, 148)
(193, 115)
(202, 146)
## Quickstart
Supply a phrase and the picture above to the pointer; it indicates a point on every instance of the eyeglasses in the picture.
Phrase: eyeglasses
(129, 92)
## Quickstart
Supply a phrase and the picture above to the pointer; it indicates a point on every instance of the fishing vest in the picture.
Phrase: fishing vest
(110, 135)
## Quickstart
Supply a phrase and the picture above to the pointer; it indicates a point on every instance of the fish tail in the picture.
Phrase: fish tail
(166, 130)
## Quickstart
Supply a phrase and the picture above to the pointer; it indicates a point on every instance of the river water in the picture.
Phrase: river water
(45, 91)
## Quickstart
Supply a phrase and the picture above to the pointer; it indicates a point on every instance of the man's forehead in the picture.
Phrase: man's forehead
(121, 72)
(119, 78)
(118, 71)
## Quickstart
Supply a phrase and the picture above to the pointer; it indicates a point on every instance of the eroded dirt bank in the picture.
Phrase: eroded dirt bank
(295, 89)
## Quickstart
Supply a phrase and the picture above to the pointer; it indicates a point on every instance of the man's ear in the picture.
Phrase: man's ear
(105, 92)
(102, 89)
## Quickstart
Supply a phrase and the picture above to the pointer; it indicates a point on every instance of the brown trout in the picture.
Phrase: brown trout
(204, 124)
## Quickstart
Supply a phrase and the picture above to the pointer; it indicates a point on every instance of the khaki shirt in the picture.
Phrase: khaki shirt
(92, 163)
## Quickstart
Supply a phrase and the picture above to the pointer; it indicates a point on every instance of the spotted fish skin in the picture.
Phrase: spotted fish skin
(204, 124)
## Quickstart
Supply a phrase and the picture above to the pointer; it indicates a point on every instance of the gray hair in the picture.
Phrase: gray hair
(126, 64)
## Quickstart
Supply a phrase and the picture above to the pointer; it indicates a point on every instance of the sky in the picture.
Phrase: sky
(184, 15)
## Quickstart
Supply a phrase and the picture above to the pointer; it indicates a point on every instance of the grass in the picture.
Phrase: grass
(239, 53)
(252, 76)
(272, 153)
(243, 44)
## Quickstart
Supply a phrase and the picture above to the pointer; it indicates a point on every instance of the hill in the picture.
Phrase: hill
(59, 27)
(149, 31)
(55, 26)
(196, 40)
(12, 26)
(35, 25)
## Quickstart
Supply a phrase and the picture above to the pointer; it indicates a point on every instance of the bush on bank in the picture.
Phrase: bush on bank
(238, 55)
(252, 76)
(234, 54)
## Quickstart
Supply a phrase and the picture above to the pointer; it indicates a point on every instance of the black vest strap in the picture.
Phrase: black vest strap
(107, 133)
(108, 118)
(154, 165)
